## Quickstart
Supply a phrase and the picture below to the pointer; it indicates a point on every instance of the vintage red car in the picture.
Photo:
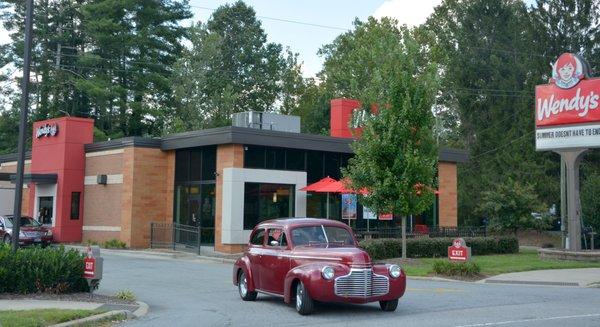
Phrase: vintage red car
(309, 259)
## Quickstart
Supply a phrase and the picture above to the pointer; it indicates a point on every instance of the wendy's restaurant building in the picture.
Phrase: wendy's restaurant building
(224, 180)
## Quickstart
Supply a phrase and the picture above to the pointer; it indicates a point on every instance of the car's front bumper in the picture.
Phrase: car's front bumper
(325, 291)
(44, 240)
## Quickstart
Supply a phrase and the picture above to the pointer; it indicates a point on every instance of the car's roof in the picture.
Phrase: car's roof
(293, 222)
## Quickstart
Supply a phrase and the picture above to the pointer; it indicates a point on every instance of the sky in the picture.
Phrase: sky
(335, 16)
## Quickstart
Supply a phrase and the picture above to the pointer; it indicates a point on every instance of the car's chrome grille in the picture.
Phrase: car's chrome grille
(361, 283)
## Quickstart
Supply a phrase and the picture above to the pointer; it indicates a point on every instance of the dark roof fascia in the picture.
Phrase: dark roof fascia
(453, 155)
(36, 178)
(252, 136)
(13, 157)
(135, 141)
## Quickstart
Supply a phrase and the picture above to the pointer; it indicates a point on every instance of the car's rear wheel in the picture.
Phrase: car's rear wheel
(304, 304)
(390, 305)
(6, 239)
(245, 294)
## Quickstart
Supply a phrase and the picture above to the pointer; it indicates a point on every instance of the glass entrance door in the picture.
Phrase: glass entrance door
(195, 206)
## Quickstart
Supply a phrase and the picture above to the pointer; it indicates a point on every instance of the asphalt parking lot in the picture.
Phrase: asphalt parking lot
(192, 292)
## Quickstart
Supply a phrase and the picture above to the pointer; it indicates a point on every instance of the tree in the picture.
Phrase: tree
(510, 205)
(106, 59)
(396, 155)
(489, 71)
(231, 68)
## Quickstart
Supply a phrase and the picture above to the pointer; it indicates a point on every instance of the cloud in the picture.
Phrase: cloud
(409, 12)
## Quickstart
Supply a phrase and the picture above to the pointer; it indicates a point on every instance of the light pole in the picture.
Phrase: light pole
(22, 126)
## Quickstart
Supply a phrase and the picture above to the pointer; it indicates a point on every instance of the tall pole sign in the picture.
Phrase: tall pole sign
(22, 126)
(567, 121)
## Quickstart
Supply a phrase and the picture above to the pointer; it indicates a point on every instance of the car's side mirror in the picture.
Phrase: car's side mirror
(274, 243)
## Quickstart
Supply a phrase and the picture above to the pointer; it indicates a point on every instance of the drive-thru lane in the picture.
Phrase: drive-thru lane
(192, 292)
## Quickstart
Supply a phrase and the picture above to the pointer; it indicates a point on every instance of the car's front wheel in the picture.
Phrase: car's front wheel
(6, 239)
(390, 305)
(245, 294)
(304, 304)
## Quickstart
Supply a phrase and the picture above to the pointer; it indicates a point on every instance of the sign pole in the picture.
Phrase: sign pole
(22, 126)
(572, 159)
(563, 204)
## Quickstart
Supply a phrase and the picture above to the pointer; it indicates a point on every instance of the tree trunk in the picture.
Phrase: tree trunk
(403, 237)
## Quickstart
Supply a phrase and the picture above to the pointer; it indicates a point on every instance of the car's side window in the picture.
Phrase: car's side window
(276, 237)
(258, 237)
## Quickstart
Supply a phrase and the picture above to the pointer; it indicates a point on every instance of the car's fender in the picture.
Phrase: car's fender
(243, 263)
(310, 275)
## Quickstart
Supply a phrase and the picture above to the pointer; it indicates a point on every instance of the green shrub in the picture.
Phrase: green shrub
(90, 242)
(437, 247)
(115, 244)
(31, 270)
(126, 295)
(447, 268)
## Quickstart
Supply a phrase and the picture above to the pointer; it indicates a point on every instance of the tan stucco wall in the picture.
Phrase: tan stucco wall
(228, 155)
(11, 168)
(448, 214)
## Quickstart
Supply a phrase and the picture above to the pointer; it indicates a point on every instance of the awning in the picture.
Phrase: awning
(36, 178)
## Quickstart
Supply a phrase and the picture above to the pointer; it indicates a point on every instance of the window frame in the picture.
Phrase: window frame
(256, 231)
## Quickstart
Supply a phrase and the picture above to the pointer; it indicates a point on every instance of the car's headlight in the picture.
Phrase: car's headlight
(327, 272)
(395, 271)
(48, 233)
(21, 234)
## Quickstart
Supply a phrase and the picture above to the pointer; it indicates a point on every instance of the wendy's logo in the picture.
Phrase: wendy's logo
(568, 70)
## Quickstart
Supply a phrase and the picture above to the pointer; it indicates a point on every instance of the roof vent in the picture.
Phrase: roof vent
(267, 120)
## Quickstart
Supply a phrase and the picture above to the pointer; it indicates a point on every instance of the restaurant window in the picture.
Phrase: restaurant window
(254, 156)
(267, 201)
(314, 166)
(197, 164)
(275, 158)
(75, 200)
(294, 159)
(332, 165)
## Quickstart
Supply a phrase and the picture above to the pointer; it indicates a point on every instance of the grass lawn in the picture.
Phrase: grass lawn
(498, 264)
(41, 317)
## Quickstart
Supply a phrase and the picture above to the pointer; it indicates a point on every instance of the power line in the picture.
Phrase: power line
(284, 20)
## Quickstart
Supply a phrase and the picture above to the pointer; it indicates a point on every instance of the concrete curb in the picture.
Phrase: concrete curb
(171, 255)
(98, 317)
(139, 312)
(142, 310)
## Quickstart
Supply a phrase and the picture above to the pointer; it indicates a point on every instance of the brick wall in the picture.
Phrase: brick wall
(102, 203)
(228, 155)
(448, 216)
(145, 198)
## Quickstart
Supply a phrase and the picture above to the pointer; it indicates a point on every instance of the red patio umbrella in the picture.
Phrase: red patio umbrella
(319, 187)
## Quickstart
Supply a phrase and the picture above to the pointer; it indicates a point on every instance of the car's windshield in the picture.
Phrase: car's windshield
(25, 222)
(321, 235)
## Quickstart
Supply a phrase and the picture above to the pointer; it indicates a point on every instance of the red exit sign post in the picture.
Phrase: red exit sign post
(89, 268)
(459, 251)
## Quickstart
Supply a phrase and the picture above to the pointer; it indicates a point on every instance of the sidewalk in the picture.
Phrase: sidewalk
(47, 304)
(137, 310)
(584, 277)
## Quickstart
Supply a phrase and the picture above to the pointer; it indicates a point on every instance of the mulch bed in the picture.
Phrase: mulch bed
(79, 297)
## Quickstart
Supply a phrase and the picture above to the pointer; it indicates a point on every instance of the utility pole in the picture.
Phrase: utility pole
(22, 126)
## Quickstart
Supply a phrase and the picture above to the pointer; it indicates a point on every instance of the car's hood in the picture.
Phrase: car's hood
(346, 255)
